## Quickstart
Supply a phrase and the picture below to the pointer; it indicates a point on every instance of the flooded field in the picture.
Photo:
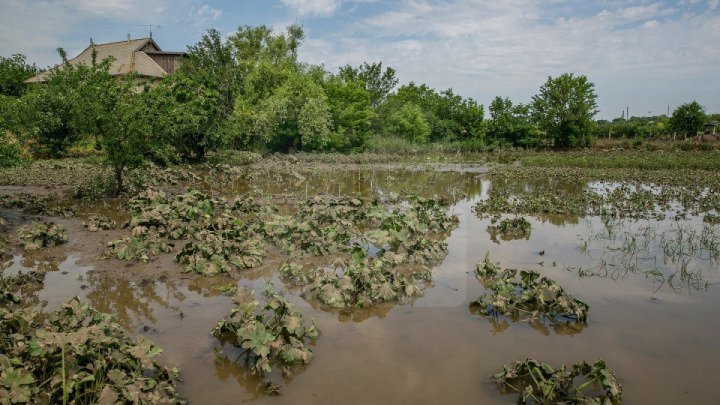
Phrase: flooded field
(645, 265)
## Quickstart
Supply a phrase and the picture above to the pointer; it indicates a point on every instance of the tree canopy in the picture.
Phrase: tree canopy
(688, 119)
(564, 108)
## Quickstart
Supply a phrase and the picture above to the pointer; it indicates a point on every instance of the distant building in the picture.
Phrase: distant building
(141, 56)
(710, 132)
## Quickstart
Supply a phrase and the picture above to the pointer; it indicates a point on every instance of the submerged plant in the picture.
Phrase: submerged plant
(526, 296)
(42, 234)
(509, 228)
(360, 283)
(97, 222)
(541, 383)
(275, 333)
(217, 252)
(77, 355)
(139, 246)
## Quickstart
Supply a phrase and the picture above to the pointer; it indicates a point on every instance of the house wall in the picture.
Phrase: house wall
(168, 63)
(149, 47)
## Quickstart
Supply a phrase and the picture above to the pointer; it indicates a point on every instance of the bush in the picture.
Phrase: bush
(408, 123)
(10, 153)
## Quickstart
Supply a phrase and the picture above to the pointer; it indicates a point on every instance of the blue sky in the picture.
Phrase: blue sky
(642, 54)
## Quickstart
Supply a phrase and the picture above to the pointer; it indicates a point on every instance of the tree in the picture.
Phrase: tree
(564, 108)
(409, 123)
(296, 116)
(377, 82)
(688, 119)
(266, 61)
(511, 124)
(198, 99)
(43, 120)
(449, 116)
(351, 111)
(13, 73)
(128, 135)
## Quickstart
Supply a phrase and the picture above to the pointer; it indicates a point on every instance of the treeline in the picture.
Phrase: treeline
(686, 121)
(248, 91)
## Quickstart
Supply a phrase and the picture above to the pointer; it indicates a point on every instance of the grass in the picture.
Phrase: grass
(642, 160)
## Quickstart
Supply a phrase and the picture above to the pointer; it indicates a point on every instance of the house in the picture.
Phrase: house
(141, 56)
(710, 133)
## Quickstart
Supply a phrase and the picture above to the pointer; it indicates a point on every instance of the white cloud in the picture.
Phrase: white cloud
(312, 7)
(117, 8)
(713, 4)
(204, 14)
(36, 28)
(650, 24)
(484, 48)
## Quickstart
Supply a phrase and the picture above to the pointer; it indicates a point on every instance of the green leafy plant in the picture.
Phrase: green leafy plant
(77, 355)
(42, 234)
(275, 333)
(360, 283)
(217, 252)
(509, 228)
(139, 246)
(538, 382)
(526, 296)
(97, 222)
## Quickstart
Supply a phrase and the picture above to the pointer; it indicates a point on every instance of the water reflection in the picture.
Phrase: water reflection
(501, 323)
(130, 302)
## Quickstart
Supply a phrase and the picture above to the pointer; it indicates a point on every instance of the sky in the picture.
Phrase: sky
(645, 55)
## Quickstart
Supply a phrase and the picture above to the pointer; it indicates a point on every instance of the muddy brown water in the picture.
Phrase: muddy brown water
(660, 339)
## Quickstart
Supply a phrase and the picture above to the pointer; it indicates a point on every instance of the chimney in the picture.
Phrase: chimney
(128, 38)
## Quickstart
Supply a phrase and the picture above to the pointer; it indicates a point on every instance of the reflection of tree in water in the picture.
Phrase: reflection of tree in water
(44, 264)
(507, 236)
(366, 182)
(501, 323)
(131, 302)
(356, 315)
(235, 362)
(529, 189)
(32, 273)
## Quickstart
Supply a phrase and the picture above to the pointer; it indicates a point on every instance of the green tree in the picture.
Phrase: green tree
(266, 61)
(43, 120)
(13, 73)
(409, 123)
(351, 111)
(296, 116)
(688, 119)
(564, 108)
(378, 82)
(128, 136)
(449, 116)
(511, 124)
(70, 104)
(196, 101)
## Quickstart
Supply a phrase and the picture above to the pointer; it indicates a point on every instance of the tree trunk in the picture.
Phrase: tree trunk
(118, 178)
